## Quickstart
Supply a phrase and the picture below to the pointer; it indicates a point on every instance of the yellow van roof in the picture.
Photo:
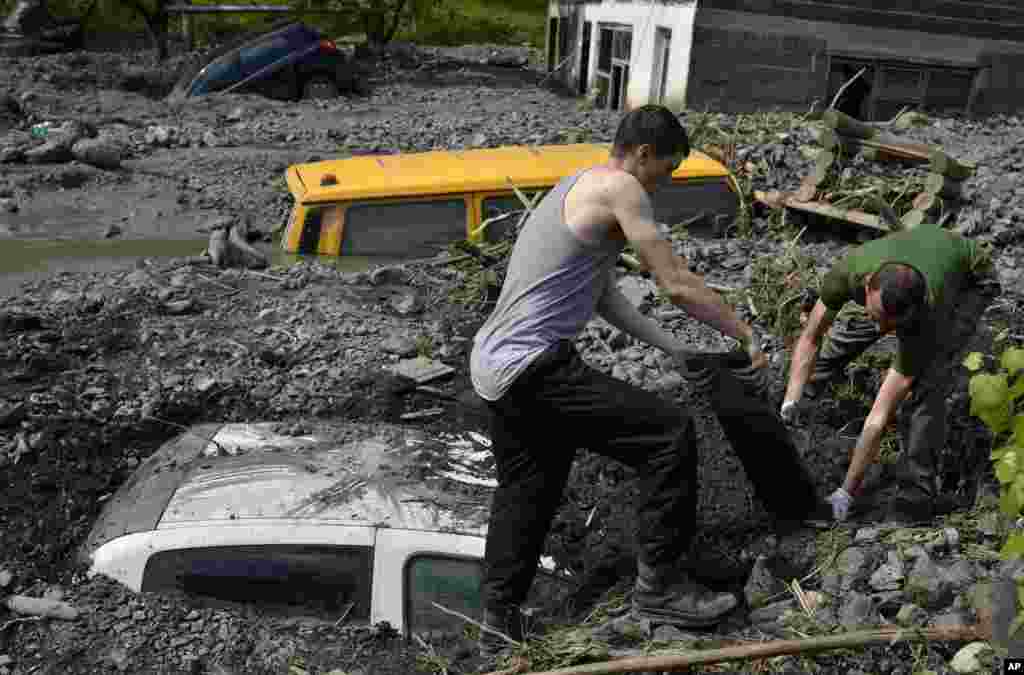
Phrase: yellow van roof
(443, 171)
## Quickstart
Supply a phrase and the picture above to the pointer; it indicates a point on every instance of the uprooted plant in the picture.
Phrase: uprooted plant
(778, 289)
(998, 399)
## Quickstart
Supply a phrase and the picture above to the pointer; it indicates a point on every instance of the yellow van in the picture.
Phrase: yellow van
(413, 205)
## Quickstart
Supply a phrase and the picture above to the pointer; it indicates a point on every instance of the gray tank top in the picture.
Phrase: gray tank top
(553, 284)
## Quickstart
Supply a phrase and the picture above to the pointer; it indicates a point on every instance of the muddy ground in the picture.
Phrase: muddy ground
(108, 354)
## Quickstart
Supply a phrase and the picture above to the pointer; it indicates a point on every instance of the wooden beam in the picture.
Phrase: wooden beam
(855, 217)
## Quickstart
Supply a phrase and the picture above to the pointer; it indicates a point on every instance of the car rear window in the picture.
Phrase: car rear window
(453, 583)
(412, 229)
(327, 582)
(265, 53)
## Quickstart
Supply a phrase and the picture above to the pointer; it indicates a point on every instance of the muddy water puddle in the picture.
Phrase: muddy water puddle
(27, 260)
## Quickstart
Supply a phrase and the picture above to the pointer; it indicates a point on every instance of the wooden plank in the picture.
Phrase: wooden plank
(855, 217)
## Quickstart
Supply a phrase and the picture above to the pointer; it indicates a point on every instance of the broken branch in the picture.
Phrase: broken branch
(677, 663)
(844, 87)
(476, 623)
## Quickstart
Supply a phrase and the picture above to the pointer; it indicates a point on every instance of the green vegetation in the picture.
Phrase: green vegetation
(998, 399)
(431, 22)
(776, 290)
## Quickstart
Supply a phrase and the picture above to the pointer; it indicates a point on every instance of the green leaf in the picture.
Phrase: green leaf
(1014, 546)
(998, 453)
(1018, 621)
(997, 419)
(1013, 360)
(1006, 468)
(1017, 390)
(1009, 504)
(1018, 430)
(989, 391)
(1003, 334)
(973, 361)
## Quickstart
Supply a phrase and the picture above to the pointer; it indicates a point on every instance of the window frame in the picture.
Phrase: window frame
(407, 615)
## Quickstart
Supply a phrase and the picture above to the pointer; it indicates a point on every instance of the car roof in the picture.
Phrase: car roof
(341, 473)
(478, 170)
(190, 72)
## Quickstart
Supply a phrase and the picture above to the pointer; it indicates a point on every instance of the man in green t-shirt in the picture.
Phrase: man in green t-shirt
(930, 287)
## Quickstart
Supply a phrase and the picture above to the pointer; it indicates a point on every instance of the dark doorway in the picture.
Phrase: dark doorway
(588, 28)
(552, 42)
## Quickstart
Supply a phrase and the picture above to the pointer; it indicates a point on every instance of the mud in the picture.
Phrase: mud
(96, 373)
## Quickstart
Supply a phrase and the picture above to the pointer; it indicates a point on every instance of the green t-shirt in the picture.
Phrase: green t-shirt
(944, 258)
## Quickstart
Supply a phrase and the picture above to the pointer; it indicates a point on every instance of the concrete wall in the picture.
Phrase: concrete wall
(755, 77)
(644, 18)
(742, 70)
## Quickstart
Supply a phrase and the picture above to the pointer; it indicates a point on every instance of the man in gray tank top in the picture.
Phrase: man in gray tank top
(524, 365)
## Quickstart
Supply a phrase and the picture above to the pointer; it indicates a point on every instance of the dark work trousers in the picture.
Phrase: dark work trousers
(758, 436)
(924, 412)
(560, 404)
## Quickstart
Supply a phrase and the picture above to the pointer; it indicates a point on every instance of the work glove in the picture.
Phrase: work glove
(795, 412)
(841, 500)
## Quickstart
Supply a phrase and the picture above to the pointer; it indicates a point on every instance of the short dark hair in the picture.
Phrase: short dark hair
(904, 291)
(653, 125)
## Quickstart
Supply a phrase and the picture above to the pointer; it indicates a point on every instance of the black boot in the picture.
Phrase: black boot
(506, 620)
(666, 596)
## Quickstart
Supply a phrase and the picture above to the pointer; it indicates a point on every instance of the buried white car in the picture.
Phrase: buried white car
(361, 525)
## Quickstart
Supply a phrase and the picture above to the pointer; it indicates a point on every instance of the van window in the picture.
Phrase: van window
(413, 229)
(321, 581)
(679, 202)
(495, 206)
(451, 582)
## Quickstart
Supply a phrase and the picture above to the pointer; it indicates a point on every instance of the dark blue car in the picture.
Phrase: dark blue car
(290, 61)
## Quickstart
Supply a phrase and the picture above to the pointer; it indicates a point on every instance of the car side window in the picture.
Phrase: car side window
(409, 229)
(265, 53)
(322, 581)
(220, 74)
(679, 202)
(492, 207)
(453, 583)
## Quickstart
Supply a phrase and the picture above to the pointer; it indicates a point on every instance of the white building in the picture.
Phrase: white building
(739, 55)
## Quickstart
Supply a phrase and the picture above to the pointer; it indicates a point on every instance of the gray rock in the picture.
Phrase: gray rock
(401, 345)
(761, 584)
(927, 585)
(161, 136)
(407, 303)
(911, 615)
(212, 140)
(888, 577)
(112, 231)
(977, 657)
(103, 153)
(51, 152)
(867, 535)
(949, 620)
(389, 275)
(771, 613)
(960, 574)
(75, 175)
(852, 564)
(857, 610)
(8, 206)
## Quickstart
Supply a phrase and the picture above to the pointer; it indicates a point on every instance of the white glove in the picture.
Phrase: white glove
(788, 411)
(841, 500)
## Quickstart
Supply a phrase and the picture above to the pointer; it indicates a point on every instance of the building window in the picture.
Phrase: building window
(612, 75)
(662, 48)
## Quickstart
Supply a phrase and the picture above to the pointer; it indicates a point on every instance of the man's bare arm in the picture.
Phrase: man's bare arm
(894, 389)
(805, 353)
(617, 310)
(632, 208)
